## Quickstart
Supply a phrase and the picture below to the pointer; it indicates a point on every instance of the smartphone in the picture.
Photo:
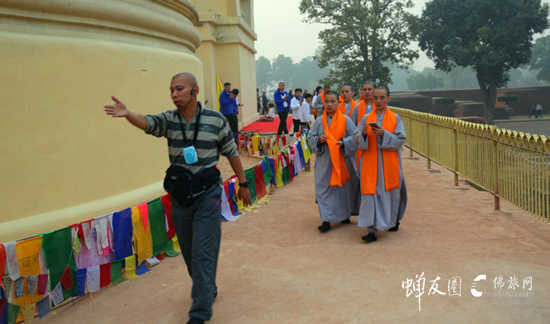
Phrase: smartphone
(374, 125)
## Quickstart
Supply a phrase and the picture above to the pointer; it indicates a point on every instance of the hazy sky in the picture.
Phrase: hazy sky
(280, 30)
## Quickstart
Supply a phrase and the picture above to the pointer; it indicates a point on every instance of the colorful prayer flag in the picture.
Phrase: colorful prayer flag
(57, 294)
(81, 282)
(32, 285)
(158, 226)
(93, 279)
(28, 313)
(42, 283)
(58, 253)
(116, 271)
(13, 312)
(130, 263)
(44, 307)
(122, 230)
(105, 276)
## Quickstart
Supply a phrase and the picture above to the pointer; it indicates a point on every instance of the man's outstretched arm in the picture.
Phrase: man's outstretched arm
(118, 109)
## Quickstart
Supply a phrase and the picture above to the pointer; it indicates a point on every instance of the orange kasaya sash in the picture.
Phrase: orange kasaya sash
(342, 107)
(334, 133)
(390, 159)
(361, 111)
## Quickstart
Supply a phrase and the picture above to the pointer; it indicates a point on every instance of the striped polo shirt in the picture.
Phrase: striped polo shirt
(214, 137)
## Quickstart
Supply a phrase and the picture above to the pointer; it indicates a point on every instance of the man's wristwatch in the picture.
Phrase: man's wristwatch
(244, 184)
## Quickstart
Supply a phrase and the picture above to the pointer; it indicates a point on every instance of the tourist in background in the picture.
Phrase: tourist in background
(265, 109)
(305, 112)
(282, 101)
(228, 107)
(539, 110)
(295, 105)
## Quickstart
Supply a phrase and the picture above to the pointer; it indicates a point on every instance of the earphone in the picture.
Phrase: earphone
(193, 91)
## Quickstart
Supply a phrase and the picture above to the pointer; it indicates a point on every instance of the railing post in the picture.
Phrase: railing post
(495, 170)
(428, 140)
(411, 138)
(456, 156)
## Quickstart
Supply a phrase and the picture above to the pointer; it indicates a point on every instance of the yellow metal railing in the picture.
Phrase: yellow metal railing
(509, 164)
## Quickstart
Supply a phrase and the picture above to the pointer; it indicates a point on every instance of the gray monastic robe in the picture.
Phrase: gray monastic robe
(335, 202)
(385, 208)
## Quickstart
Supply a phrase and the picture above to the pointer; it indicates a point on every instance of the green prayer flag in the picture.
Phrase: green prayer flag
(268, 175)
(58, 252)
(158, 226)
(170, 249)
(116, 271)
(251, 179)
(13, 313)
(286, 174)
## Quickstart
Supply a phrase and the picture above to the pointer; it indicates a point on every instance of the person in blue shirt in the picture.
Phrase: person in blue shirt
(282, 100)
(228, 107)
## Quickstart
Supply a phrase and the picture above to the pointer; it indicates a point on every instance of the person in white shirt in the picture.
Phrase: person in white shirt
(295, 105)
(318, 91)
(305, 111)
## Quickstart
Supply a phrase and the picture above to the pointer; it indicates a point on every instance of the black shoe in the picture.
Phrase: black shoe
(395, 228)
(346, 221)
(371, 237)
(215, 295)
(193, 320)
(325, 227)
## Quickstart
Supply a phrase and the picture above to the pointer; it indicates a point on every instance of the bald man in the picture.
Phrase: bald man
(196, 137)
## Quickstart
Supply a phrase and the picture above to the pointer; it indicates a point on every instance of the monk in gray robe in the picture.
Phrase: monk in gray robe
(331, 140)
(380, 136)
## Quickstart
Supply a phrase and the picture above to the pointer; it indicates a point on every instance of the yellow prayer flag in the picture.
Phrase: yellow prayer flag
(255, 143)
(28, 313)
(142, 239)
(176, 244)
(219, 90)
(28, 258)
(240, 204)
(130, 267)
(279, 174)
(76, 244)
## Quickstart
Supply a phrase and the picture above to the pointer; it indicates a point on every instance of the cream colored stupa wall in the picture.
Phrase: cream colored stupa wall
(227, 32)
(62, 160)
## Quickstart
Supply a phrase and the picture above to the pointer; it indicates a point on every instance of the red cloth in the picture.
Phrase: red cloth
(144, 211)
(226, 187)
(168, 211)
(2, 265)
(42, 284)
(67, 279)
(284, 140)
(290, 167)
(260, 184)
(105, 274)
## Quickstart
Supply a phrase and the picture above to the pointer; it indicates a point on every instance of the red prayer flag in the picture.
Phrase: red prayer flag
(67, 279)
(105, 274)
(260, 184)
(42, 283)
(2, 265)
(284, 140)
(168, 211)
(160, 257)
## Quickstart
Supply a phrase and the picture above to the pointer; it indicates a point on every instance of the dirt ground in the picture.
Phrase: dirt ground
(276, 267)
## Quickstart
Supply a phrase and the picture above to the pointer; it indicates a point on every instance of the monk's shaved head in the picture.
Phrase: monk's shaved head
(188, 77)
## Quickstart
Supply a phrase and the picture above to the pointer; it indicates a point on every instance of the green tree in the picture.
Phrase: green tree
(308, 75)
(492, 37)
(540, 60)
(283, 69)
(364, 35)
(424, 82)
(263, 73)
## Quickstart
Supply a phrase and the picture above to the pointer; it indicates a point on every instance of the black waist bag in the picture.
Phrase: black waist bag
(185, 187)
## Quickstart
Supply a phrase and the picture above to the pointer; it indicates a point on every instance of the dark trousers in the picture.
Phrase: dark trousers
(198, 228)
(258, 108)
(233, 123)
(265, 110)
(296, 125)
(282, 123)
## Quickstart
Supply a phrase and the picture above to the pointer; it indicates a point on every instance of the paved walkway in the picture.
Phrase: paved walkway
(531, 126)
(275, 266)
